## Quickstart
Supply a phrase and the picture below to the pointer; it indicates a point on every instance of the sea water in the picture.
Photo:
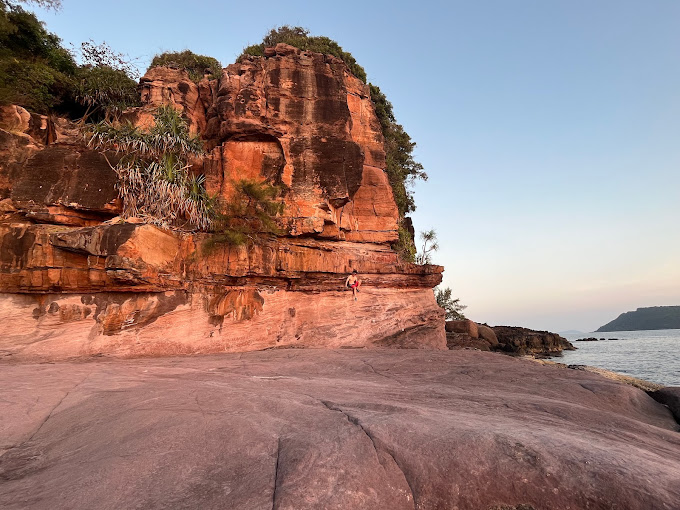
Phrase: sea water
(650, 355)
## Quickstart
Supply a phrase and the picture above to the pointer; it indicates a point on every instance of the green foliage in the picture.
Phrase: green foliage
(405, 246)
(454, 309)
(430, 245)
(105, 91)
(102, 55)
(192, 63)
(249, 215)
(154, 179)
(35, 71)
(300, 38)
(402, 169)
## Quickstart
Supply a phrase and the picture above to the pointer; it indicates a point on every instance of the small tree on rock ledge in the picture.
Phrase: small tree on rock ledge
(453, 307)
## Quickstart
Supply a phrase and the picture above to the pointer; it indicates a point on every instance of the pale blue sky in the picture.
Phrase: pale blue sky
(549, 129)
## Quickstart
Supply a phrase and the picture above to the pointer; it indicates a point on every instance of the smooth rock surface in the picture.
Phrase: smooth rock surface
(346, 429)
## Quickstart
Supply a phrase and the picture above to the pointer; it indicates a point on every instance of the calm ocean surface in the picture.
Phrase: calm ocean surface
(650, 355)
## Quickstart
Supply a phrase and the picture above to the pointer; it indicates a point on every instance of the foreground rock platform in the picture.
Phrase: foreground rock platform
(298, 429)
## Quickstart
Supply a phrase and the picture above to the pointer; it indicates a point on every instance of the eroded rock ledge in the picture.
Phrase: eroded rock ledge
(75, 280)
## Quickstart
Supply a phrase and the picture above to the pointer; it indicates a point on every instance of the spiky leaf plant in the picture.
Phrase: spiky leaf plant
(154, 179)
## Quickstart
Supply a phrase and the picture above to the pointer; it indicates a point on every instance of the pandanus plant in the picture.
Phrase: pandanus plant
(153, 173)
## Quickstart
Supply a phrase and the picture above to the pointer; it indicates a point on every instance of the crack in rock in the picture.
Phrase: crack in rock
(357, 423)
(276, 473)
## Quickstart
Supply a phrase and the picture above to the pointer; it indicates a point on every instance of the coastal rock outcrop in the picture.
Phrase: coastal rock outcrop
(77, 280)
(518, 340)
(333, 429)
(669, 397)
(461, 334)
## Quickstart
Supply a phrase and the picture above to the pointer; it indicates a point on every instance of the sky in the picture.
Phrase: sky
(549, 129)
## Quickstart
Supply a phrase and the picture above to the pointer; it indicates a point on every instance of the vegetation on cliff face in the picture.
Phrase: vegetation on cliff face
(430, 245)
(249, 216)
(154, 179)
(35, 70)
(156, 185)
(655, 317)
(38, 73)
(402, 169)
(195, 65)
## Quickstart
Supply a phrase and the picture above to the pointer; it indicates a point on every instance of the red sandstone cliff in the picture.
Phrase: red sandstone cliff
(76, 280)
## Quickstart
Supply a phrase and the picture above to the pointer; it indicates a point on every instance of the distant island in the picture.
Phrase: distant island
(654, 317)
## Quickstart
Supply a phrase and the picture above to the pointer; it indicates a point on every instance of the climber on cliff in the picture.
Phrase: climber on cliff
(353, 282)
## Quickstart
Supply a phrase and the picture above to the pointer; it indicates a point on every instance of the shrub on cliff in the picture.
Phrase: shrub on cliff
(38, 73)
(192, 63)
(300, 38)
(248, 217)
(35, 70)
(105, 92)
(402, 169)
(154, 179)
(106, 83)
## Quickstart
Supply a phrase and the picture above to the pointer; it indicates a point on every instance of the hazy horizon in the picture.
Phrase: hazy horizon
(549, 131)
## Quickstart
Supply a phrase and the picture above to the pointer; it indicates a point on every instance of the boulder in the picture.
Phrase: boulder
(669, 397)
(486, 333)
(465, 326)
(286, 50)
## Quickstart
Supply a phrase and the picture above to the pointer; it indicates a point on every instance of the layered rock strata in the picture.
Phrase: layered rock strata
(77, 280)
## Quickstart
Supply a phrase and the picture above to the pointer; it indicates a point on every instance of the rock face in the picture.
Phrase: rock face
(527, 341)
(306, 123)
(309, 429)
(75, 280)
(512, 340)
